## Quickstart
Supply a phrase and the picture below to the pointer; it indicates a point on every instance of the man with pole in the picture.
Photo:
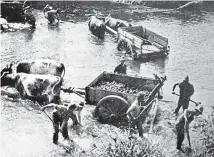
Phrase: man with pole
(182, 125)
(61, 115)
(186, 91)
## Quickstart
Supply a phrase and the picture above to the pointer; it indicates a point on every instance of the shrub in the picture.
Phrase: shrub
(132, 148)
(207, 131)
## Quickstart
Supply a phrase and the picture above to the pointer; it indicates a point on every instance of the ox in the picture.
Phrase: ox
(97, 27)
(115, 23)
(38, 80)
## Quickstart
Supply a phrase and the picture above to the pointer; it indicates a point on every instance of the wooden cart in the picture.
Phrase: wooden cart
(111, 105)
(141, 43)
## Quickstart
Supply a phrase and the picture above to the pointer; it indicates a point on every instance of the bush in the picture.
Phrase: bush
(132, 148)
(207, 131)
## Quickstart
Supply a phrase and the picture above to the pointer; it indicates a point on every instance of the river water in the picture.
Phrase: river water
(85, 57)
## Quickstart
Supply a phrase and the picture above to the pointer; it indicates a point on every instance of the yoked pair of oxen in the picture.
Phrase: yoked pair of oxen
(97, 24)
(37, 80)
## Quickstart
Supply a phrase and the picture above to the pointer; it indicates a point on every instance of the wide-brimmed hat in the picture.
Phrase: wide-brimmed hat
(122, 59)
(199, 109)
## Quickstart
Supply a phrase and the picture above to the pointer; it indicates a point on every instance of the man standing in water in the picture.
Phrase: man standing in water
(52, 14)
(182, 125)
(186, 91)
(61, 115)
(134, 114)
(121, 68)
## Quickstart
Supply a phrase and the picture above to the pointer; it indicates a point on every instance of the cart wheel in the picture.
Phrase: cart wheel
(111, 109)
(121, 45)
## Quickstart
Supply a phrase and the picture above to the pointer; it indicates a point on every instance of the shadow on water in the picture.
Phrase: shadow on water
(154, 66)
(95, 40)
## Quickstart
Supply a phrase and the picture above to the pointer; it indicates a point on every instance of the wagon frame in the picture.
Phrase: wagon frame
(142, 43)
(115, 104)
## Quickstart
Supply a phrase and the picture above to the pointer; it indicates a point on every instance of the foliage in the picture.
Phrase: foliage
(132, 148)
(207, 131)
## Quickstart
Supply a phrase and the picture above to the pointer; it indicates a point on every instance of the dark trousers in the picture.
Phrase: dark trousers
(137, 122)
(182, 102)
(51, 18)
(57, 122)
(180, 136)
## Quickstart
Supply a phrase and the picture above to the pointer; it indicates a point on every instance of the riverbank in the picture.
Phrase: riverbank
(26, 131)
(91, 138)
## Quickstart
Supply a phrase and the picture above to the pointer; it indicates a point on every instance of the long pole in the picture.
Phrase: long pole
(45, 112)
(187, 99)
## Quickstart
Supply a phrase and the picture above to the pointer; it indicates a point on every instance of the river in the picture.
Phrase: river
(190, 38)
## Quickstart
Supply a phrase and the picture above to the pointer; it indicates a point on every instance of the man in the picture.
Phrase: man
(7, 70)
(186, 91)
(47, 8)
(52, 14)
(121, 68)
(29, 17)
(133, 114)
(182, 125)
(61, 115)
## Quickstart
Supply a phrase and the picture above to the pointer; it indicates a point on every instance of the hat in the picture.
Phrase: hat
(199, 109)
(186, 78)
(122, 59)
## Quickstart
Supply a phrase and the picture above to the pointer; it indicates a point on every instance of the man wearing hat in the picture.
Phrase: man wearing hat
(61, 115)
(121, 68)
(182, 125)
(186, 91)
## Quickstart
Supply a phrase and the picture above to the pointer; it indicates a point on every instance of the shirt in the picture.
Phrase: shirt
(186, 89)
(120, 69)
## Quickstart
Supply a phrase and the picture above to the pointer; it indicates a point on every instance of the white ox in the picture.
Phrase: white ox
(37, 80)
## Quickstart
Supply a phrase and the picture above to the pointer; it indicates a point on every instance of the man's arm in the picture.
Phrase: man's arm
(44, 10)
(57, 16)
(48, 106)
(116, 69)
(175, 86)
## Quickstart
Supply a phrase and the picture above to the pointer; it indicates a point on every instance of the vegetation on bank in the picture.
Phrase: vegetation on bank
(206, 127)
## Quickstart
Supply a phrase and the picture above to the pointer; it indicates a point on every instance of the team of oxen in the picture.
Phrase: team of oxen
(97, 24)
(37, 80)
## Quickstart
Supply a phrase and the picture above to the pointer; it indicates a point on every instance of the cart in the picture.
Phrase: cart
(112, 102)
(141, 43)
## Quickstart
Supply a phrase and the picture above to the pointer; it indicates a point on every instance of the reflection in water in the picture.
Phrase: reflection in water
(155, 66)
(28, 34)
(53, 28)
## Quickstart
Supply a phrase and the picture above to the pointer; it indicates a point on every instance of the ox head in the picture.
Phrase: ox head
(7, 76)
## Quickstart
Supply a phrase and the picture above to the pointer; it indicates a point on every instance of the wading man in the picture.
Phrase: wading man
(52, 15)
(133, 114)
(182, 125)
(121, 68)
(186, 91)
(61, 115)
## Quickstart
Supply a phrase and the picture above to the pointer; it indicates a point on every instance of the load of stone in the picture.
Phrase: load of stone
(118, 87)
